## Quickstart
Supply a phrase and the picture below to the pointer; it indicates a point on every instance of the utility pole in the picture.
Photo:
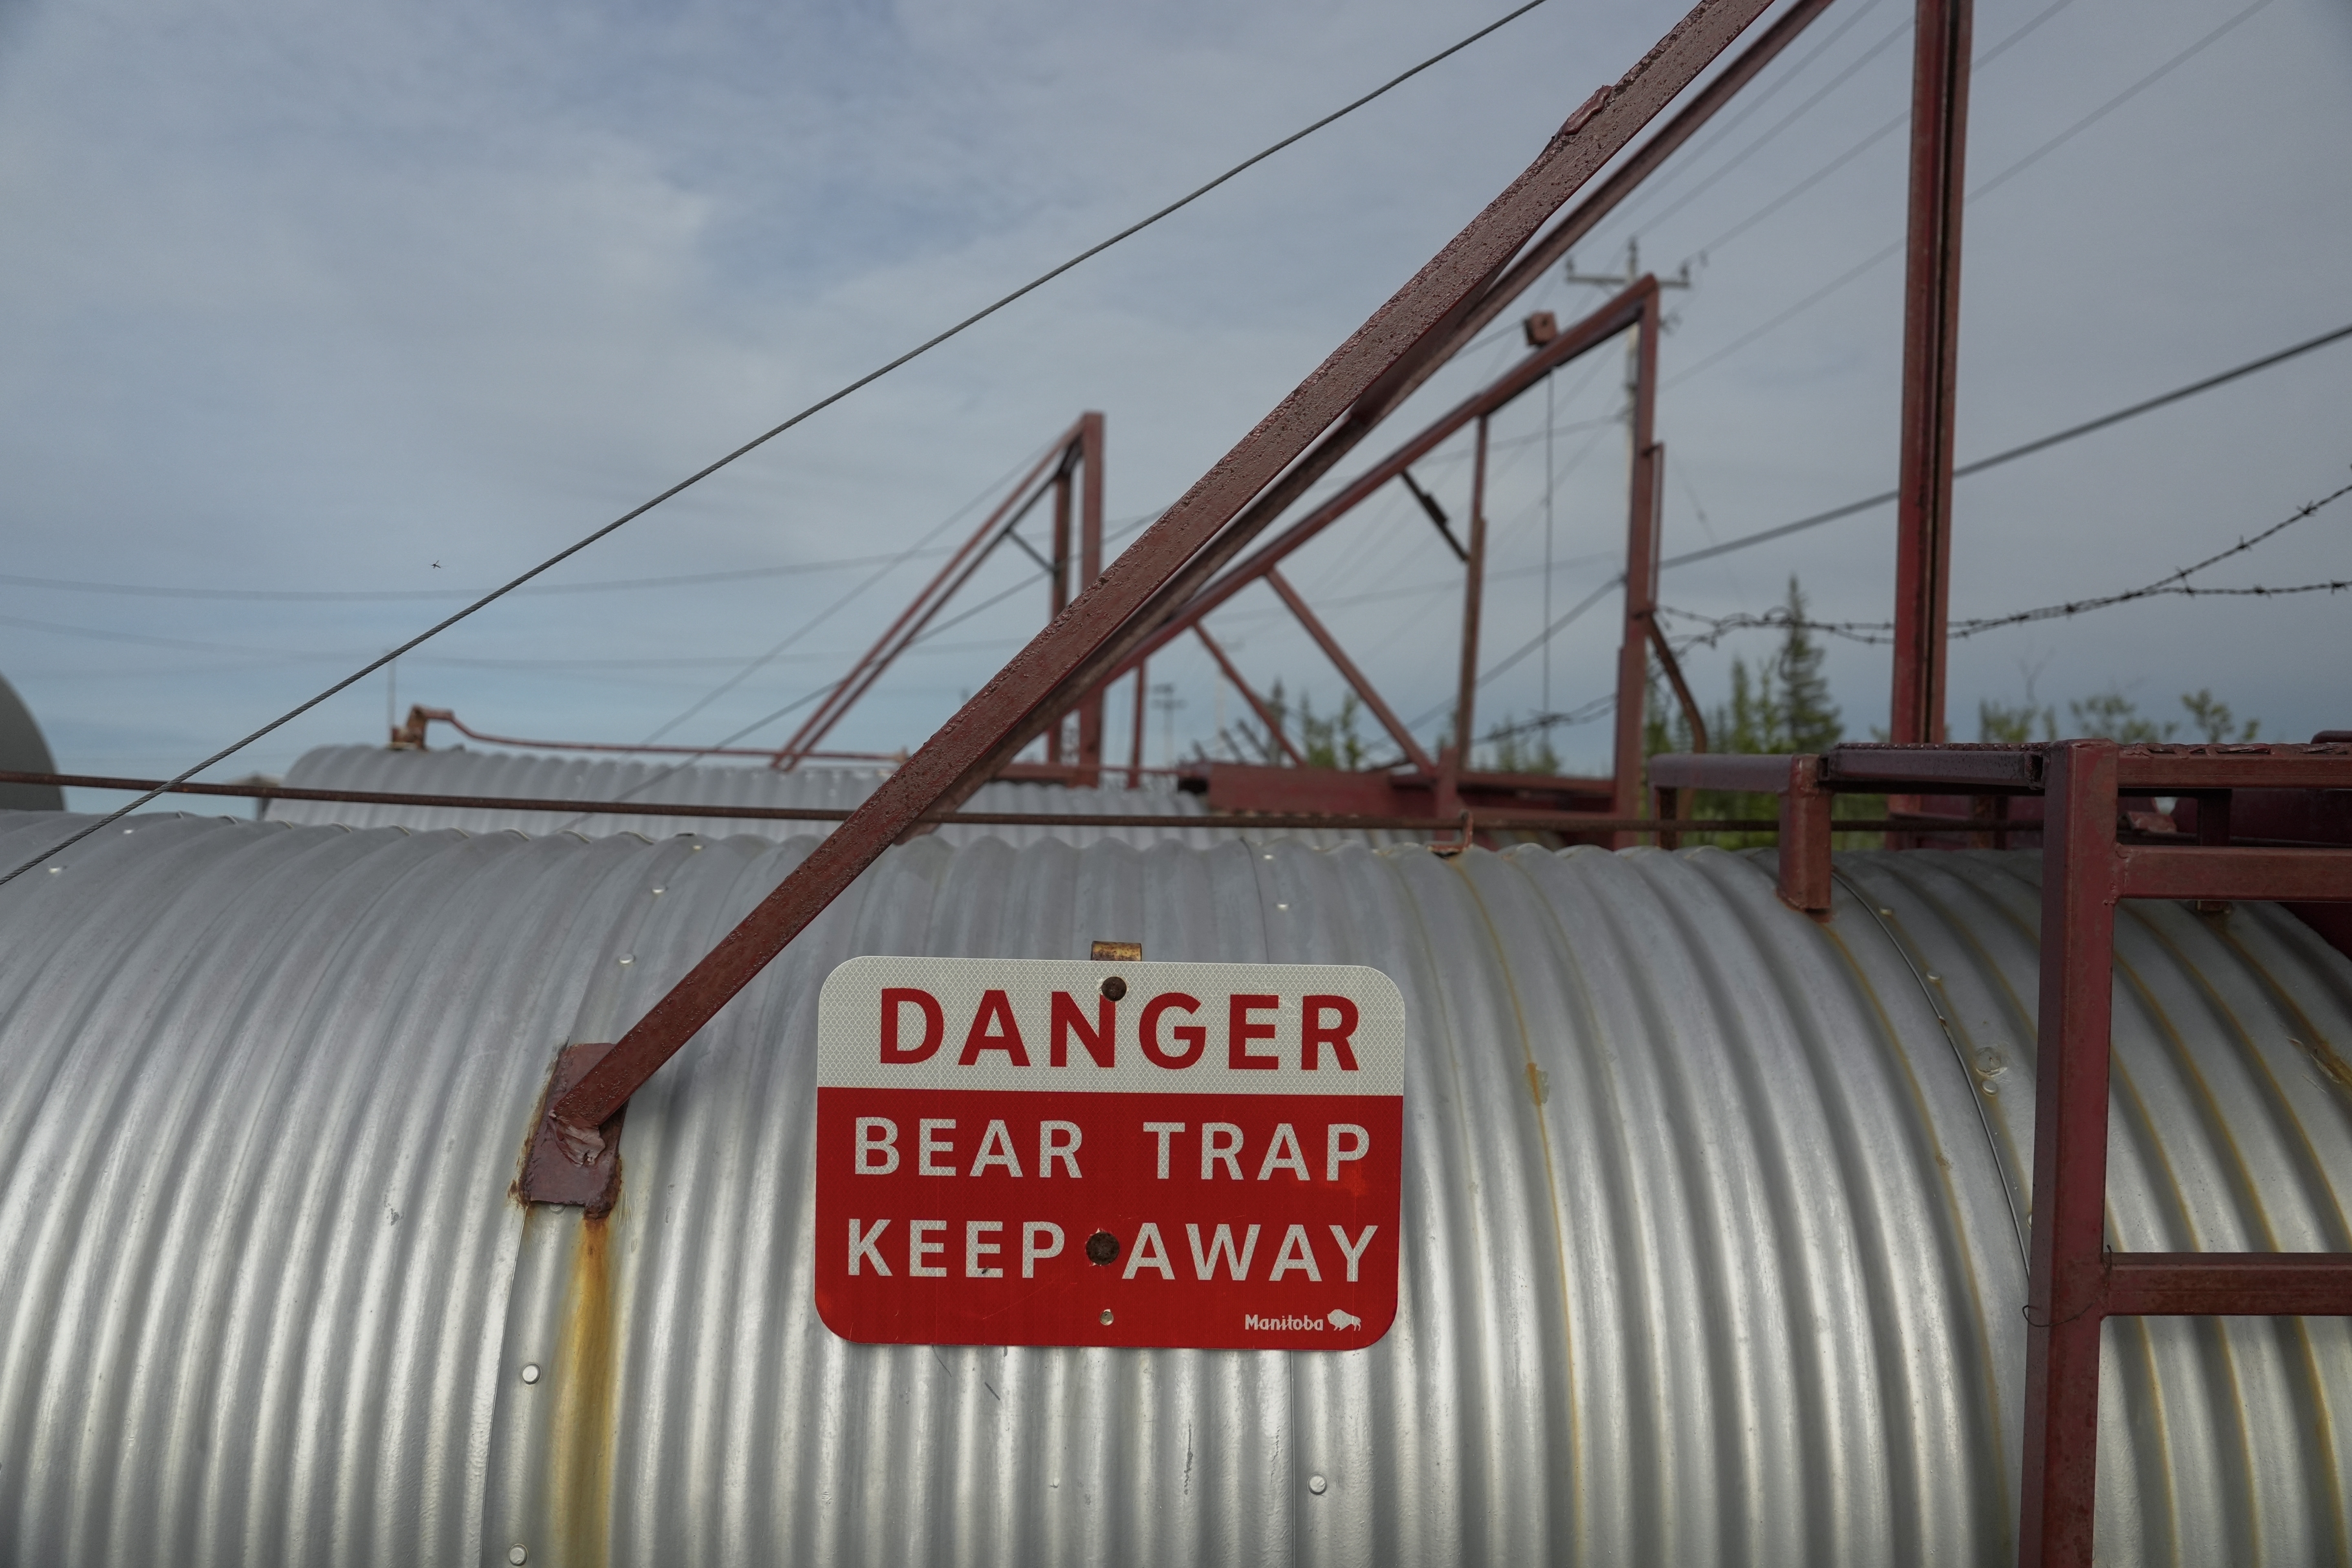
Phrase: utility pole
(1164, 697)
(1612, 284)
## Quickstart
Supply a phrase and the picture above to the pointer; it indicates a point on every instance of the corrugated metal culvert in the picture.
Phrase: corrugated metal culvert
(521, 776)
(1713, 1251)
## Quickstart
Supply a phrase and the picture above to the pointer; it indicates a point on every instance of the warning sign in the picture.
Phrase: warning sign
(1063, 1152)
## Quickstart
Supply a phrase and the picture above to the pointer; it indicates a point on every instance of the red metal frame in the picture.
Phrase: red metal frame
(1078, 448)
(1450, 334)
(2075, 1283)
(1061, 666)
(1443, 785)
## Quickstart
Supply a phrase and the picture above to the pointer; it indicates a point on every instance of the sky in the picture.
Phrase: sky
(317, 317)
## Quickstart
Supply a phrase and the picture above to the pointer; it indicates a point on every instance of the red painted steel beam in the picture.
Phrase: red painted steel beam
(2176, 769)
(1640, 565)
(2229, 1284)
(1735, 772)
(1931, 321)
(1451, 334)
(1052, 671)
(1265, 715)
(1804, 882)
(1349, 673)
(2067, 1283)
(2297, 876)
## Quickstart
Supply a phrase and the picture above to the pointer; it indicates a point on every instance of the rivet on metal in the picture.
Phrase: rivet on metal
(1102, 1246)
(530, 1373)
(629, 958)
(518, 1555)
(1105, 1317)
(1317, 1485)
(1114, 987)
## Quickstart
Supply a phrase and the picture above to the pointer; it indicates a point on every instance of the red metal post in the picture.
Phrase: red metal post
(1090, 567)
(1051, 674)
(2065, 1292)
(1265, 715)
(1641, 570)
(1348, 672)
(1804, 881)
(1473, 583)
(1931, 322)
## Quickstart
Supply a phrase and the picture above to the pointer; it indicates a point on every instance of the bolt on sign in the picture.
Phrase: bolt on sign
(1040, 1152)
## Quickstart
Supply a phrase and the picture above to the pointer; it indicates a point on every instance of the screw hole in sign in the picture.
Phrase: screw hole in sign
(1001, 1142)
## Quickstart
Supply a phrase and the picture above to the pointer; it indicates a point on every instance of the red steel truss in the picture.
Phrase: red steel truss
(2076, 1282)
(1075, 458)
(570, 1159)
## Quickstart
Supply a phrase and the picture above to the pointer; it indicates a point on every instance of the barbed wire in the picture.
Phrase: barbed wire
(2174, 585)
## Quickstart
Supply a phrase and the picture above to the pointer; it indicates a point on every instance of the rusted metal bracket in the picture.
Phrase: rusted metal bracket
(1804, 882)
(1436, 513)
(1174, 555)
(559, 1170)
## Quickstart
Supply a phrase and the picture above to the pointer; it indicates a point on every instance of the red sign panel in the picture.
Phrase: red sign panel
(1057, 1153)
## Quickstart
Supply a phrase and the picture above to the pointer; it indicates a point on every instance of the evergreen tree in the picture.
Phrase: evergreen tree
(1808, 721)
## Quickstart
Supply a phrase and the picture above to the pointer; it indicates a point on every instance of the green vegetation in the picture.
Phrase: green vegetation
(1780, 704)
(2113, 716)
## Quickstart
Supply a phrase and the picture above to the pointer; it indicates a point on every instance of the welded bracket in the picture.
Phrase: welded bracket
(566, 1165)
(1804, 881)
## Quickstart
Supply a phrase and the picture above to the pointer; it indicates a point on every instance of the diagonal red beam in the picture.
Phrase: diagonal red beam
(1265, 715)
(969, 746)
(1406, 376)
(1349, 673)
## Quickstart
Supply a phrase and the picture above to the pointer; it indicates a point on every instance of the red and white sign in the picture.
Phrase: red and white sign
(1059, 1153)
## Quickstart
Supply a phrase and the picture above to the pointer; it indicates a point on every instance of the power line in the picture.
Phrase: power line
(762, 439)
(2173, 584)
(387, 596)
(1786, 120)
(2052, 145)
(2042, 443)
(1873, 139)
(1755, 105)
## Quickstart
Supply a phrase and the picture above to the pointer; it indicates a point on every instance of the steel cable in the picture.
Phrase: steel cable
(762, 439)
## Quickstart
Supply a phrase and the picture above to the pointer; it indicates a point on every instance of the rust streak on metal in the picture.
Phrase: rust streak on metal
(581, 1439)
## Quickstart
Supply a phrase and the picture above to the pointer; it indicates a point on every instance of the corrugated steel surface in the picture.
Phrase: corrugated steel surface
(525, 776)
(1712, 1220)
